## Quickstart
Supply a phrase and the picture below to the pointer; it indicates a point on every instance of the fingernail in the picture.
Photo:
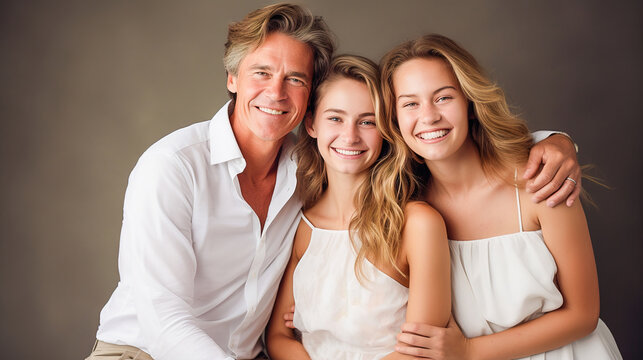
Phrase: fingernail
(550, 204)
(570, 203)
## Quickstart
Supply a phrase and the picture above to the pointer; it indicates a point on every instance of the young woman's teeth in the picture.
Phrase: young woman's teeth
(348, 152)
(433, 134)
(271, 111)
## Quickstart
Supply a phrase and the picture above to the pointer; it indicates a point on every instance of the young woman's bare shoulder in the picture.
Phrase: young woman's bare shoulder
(302, 238)
(424, 236)
(422, 213)
(422, 218)
(559, 214)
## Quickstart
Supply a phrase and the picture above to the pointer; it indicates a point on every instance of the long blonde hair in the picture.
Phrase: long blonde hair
(381, 198)
(502, 139)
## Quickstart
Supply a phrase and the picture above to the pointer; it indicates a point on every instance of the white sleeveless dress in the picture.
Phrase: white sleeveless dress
(339, 318)
(505, 280)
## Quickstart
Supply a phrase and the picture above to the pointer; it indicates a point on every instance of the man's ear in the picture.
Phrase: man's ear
(231, 83)
(308, 123)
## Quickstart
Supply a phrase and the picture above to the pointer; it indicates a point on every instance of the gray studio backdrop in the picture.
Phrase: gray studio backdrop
(87, 86)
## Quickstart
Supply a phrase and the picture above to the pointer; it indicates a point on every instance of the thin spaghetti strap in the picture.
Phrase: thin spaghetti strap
(518, 199)
(307, 221)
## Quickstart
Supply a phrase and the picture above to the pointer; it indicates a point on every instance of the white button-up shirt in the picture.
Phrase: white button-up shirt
(198, 275)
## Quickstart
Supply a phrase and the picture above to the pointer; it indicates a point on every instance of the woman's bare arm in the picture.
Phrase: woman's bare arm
(280, 340)
(426, 249)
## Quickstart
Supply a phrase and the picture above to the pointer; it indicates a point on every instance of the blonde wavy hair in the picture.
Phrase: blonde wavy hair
(502, 138)
(292, 20)
(381, 198)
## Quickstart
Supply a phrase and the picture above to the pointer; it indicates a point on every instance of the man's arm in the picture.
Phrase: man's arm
(552, 162)
(158, 260)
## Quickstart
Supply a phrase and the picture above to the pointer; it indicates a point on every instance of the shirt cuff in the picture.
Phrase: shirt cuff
(541, 135)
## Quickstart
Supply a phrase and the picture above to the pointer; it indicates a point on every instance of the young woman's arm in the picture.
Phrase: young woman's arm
(425, 246)
(567, 237)
(427, 252)
(280, 340)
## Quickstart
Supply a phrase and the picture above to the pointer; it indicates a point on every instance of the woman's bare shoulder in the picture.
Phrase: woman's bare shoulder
(422, 212)
(302, 238)
(422, 222)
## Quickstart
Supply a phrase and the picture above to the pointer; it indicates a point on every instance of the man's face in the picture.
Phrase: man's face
(272, 88)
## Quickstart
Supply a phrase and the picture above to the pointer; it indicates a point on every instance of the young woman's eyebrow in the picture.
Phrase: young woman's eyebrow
(434, 92)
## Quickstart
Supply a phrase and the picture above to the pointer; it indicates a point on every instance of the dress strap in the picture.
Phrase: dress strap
(307, 221)
(518, 199)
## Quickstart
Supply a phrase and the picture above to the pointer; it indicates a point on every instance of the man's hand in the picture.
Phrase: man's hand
(559, 164)
(432, 342)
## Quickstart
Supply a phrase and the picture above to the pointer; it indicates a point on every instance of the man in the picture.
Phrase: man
(210, 210)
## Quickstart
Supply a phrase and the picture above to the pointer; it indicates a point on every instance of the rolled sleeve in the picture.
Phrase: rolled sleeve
(541, 135)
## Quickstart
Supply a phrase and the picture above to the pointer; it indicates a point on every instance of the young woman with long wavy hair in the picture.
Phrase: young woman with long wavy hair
(364, 258)
(523, 274)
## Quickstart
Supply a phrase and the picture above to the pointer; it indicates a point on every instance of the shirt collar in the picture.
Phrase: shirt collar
(223, 144)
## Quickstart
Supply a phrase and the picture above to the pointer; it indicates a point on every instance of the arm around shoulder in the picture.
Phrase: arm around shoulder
(551, 161)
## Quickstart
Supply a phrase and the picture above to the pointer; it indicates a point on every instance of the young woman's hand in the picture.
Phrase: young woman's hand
(557, 155)
(432, 342)
(289, 316)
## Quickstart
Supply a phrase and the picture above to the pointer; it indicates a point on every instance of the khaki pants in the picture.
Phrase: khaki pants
(107, 351)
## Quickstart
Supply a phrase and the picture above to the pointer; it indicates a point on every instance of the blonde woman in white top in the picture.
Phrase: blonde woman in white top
(364, 260)
(524, 276)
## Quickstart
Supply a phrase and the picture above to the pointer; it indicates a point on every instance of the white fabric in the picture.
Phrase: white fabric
(541, 135)
(339, 318)
(198, 276)
(503, 281)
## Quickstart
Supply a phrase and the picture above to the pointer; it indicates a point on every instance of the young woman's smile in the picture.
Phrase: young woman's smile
(344, 126)
(431, 108)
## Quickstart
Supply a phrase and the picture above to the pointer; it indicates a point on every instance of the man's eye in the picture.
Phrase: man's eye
(296, 81)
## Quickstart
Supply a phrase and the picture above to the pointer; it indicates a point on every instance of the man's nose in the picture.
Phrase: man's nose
(276, 89)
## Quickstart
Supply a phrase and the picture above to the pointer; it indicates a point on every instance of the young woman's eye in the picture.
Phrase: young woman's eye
(443, 99)
(368, 122)
(409, 105)
(334, 118)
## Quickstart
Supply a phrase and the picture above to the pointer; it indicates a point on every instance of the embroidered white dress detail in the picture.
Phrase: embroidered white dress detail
(339, 318)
